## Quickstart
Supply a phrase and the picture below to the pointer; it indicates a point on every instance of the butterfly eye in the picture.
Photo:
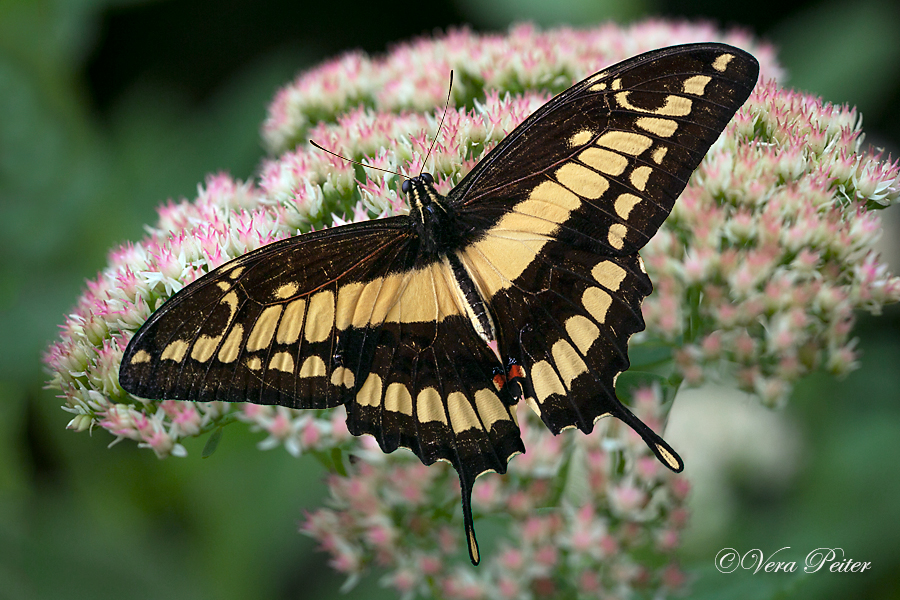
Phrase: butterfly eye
(427, 178)
(405, 186)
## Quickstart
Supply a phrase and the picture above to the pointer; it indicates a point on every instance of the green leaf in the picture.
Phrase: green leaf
(337, 458)
(212, 443)
(632, 379)
(649, 355)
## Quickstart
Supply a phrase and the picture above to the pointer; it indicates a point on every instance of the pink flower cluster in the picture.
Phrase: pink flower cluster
(413, 76)
(226, 220)
(757, 274)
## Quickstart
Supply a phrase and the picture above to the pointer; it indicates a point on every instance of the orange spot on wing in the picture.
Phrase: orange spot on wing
(515, 372)
(499, 381)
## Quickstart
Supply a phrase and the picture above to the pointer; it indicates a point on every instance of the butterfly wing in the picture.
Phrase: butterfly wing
(352, 315)
(430, 389)
(564, 203)
(570, 336)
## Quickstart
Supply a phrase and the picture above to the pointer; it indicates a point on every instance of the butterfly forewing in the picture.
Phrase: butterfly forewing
(265, 327)
(616, 150)
(531, 290)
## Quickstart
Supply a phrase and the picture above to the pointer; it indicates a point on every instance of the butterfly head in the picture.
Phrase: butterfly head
(423, 198)
(420, 182)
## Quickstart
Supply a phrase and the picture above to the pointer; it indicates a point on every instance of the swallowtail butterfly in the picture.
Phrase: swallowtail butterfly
(524, 282)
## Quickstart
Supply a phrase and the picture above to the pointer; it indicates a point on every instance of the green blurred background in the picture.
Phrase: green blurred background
(109, 107)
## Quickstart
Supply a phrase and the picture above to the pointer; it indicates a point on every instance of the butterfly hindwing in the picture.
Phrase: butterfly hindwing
(429, 387)
(568, 333)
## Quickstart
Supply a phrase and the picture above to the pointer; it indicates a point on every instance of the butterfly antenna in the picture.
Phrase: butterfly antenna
(355, 162)
(434, 141)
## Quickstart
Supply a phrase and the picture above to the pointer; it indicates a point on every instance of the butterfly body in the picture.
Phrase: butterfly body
(433, 218)
(522, 283)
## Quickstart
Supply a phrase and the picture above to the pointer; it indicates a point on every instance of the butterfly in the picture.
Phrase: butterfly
(523, 282)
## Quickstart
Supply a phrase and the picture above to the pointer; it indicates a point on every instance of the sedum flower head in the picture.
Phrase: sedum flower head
(757, 274)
